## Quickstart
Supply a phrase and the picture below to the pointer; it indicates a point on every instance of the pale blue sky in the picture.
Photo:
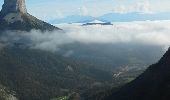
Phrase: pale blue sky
(50, 9)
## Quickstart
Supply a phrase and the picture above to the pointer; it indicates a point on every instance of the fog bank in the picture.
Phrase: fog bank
(147, 33)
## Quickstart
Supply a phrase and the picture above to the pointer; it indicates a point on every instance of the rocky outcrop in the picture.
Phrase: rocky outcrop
(14, 6)
(6, 94)
(14, 16)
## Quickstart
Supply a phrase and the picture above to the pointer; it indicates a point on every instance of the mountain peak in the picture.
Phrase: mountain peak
(14, 16)
(14, 6)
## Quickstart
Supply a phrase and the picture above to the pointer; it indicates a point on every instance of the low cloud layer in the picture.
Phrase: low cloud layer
(147, 33)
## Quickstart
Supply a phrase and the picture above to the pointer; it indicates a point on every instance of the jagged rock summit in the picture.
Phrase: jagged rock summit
(14, 16)
(11, 6)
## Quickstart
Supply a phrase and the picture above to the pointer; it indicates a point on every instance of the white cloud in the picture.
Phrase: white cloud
(143, 7)
(152, 33)
(83, 11)
(147, 33)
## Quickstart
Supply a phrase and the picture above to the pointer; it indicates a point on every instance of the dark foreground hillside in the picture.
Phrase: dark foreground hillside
(40, 75)
(153, 84)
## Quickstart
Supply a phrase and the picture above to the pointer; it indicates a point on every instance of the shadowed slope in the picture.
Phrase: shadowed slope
(153, 84)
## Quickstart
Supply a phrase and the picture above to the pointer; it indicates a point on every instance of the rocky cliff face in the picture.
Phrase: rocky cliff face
(14, 6)
(14, 16)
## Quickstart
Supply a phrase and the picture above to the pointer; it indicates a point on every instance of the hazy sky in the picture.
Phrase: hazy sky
(48, 9)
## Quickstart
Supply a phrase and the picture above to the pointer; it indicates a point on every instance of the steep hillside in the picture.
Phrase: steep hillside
(40, 75)
(153, 84)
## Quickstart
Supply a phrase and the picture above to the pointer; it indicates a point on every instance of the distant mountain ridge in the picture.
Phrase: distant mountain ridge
(73, 19)
(97, 22)
(113, 17)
